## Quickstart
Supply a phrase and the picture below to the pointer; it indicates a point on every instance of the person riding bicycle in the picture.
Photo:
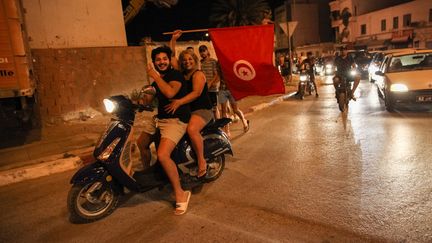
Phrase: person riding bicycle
(344, 64)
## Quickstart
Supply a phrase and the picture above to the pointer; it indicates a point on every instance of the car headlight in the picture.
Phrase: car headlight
(110, 106)
(303, 77)
(329, 66)
(398, 88)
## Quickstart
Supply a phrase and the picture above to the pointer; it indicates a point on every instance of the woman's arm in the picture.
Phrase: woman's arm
(170, 89)
(198, 82)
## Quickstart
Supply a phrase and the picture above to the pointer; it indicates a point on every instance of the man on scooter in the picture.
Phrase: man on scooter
(344, 64)
(308, 64)
(168, 84)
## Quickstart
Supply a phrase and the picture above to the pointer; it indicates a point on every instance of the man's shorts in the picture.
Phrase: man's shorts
(213, 98)
(224, 96)
(172, 128)
(206, 115)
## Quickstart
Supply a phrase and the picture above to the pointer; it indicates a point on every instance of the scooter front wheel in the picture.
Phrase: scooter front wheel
(215, 168)
(91, 201)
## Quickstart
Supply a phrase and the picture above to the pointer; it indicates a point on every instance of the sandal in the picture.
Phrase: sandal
(246, 129)
(181, 208)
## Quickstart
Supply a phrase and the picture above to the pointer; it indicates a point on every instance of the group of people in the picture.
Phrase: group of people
(188, 91)
(343, 62)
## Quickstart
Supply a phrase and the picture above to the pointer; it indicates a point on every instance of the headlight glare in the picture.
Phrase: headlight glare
(110, 106)
(328, 66)
(398, 88)
(303, 77)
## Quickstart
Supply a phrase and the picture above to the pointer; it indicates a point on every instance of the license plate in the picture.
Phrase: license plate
(424, 98)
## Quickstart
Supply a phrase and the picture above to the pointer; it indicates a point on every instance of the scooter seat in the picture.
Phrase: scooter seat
(215, 124)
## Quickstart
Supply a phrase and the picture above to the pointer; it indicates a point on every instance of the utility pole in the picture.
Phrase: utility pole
(288, 37)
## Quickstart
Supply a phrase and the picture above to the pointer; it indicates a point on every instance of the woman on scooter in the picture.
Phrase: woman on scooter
(200, 104)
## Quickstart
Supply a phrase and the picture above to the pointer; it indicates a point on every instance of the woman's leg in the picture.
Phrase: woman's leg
(195, 125)
(224, 111)
(241, 116)
(166, 146)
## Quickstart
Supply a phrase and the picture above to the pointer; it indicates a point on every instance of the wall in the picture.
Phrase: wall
(307, 31)
(74, 80)
(74, 23)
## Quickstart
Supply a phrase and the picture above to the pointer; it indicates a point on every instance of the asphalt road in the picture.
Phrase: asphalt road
(303, 173)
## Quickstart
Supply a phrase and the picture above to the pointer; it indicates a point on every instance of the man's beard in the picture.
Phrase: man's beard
(163, 72)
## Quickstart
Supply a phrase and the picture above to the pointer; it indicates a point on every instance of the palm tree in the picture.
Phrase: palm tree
(228, 13)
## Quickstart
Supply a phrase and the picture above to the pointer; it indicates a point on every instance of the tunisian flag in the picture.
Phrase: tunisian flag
(245, 55)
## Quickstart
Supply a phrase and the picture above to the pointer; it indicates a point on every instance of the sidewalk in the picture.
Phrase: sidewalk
(70, 145)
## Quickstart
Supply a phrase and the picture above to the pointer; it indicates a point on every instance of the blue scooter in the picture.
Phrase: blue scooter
(97, 187)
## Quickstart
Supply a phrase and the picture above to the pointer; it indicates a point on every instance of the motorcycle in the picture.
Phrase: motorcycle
(97, 187)
(343, 88)
(306, 84)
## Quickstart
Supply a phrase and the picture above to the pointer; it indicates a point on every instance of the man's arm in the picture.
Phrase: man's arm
(170, 89)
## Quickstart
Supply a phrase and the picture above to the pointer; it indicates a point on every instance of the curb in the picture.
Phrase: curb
(75, 159)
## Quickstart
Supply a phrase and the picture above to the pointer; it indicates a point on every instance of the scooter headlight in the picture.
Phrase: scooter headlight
(110, 106)
(398, 88)
(303, 77)
(107, 152)
(353, 72)
(329, 66)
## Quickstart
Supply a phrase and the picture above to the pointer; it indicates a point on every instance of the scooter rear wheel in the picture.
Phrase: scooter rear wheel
(92, 201)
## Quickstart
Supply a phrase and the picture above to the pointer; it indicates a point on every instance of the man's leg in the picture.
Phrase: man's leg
(165, 148)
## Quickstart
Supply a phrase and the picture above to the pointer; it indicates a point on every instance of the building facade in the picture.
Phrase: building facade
(382, 25)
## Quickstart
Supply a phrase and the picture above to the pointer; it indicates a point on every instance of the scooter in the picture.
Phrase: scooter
(305, 84)
(97, 187)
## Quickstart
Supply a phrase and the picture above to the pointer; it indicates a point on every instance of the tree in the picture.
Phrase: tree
(228, 13)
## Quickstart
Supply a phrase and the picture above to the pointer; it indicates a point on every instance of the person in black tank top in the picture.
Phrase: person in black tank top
(168, 83)
(200, 104)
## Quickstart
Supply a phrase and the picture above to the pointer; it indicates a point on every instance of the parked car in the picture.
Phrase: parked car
(405, 78)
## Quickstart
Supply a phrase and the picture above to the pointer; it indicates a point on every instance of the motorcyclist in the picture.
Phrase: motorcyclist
(308, 64)
(344, 64)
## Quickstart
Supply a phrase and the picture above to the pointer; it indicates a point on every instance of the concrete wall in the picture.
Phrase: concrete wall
(74, 23)
(76, 80)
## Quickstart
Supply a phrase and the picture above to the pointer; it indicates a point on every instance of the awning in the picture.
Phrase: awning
(400, 39)
(378, 43)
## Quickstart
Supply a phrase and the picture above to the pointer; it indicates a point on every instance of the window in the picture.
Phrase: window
(363, 29)
(383, 25)
(430, 15)
(406, 20)
(395, 22)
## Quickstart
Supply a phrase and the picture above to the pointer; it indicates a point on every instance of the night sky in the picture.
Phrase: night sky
(187, 14)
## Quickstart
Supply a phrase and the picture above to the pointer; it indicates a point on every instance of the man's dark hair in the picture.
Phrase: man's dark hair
(161, 49)
(202, 48)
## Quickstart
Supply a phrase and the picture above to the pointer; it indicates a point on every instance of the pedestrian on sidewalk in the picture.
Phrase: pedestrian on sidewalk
(284, 68)
(224, 97)
(211, 69)
(168, 84)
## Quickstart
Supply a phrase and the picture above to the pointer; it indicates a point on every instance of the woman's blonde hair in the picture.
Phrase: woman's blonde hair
(182, 58)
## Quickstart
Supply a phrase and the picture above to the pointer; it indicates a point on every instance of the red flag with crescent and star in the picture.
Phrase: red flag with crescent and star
(245, 55)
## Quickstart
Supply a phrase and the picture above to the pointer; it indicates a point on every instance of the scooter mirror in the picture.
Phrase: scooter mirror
(148, 89)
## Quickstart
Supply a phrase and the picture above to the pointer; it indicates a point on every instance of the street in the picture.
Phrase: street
(303, 173)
